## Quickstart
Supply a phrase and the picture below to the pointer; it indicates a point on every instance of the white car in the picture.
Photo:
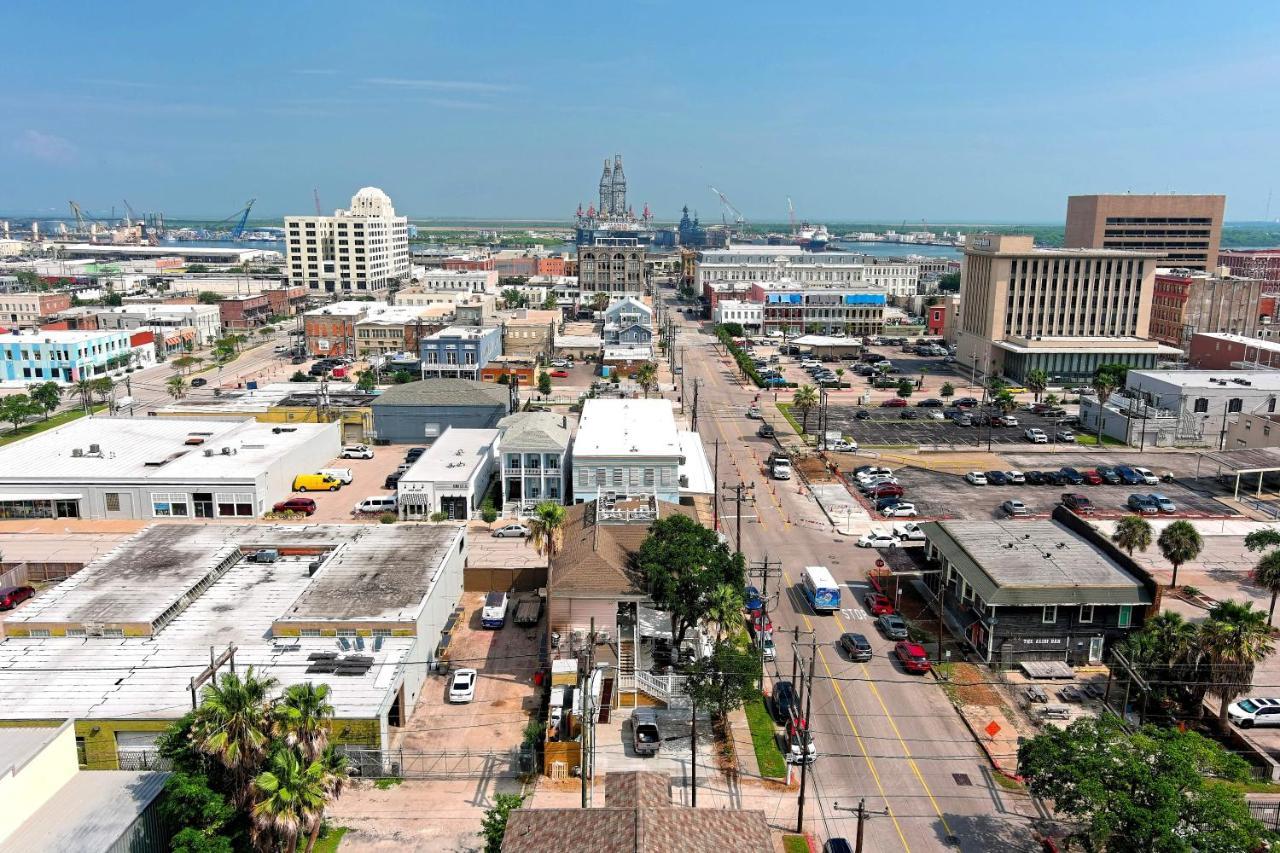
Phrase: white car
(1016, 477)
(462, 687)
(559, 362)
(1066, 435)
(935, 415)
(1035, 435)
(976, 478)
(342, 475)
(869, 485)
(877, 539)
(1254, 711)
(1147, 476)
(754, 412)
(1010, 420)
(843, 445)
(357, 451)
(909, 532)
(903, 510)
(514, 531)
(864, 476)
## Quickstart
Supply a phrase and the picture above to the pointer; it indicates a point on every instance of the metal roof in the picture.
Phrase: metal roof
(1247, 460)
(534, 432)
(90, 812)
(1032, 563)
(445, 392)
(636, 428)
(453, 457)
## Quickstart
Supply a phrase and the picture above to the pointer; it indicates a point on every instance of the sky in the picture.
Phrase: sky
(856, 111)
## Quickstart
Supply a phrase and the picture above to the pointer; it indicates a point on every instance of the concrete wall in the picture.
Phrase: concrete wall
(440, 603)
(307, 457)
(36, 781)
(407, 424)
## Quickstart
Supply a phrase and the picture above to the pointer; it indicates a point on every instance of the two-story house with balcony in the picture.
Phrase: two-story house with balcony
(460, 352)
(533, 448)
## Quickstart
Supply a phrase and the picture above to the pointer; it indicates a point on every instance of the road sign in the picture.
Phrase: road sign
(993, 728)
(879, 564)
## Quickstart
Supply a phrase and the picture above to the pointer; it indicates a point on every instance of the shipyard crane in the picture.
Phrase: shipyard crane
(315, 194)
(726, 206)
(130, 217)
(82, 218)
(242, 214)
(791, 212)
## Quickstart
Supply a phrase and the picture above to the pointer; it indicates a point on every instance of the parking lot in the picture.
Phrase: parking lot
(885, 426)
(368, 476)
(937, 494)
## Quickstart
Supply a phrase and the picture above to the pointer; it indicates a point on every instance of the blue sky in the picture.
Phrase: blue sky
(886, 112)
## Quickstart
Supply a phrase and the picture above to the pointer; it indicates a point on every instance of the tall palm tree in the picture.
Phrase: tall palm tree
(84, 388)
(1132, 533)
(233, 723)
(647, 377)
(546, 529)
(1235, 638)
(1036, 381)
(335, 778)
(1106, 379)
(723, 606)
(289, 798)
(302, 715)
(1180, 543)
(1267, 575)
(177, 387)
(805, 400)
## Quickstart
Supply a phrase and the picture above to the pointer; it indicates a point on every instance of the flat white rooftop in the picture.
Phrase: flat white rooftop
(453, 457)
(1262, 381)
(627, 428)
(1242, 340)
(142, 449)
(350, 308)
(62, 336)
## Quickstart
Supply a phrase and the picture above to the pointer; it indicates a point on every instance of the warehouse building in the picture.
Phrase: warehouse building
(159, 468)
(362, 608)
(421, 411)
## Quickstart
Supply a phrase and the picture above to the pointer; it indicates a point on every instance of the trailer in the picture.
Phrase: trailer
(528, 611)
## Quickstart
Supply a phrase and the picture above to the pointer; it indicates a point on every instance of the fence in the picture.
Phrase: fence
(378, 763)
(143, 759)
(1266, 811)
(19, 574)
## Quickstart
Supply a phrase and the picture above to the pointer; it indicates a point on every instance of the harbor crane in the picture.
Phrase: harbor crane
(243, 216)
(726, 207)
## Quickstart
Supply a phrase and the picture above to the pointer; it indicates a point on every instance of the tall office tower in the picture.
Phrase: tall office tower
(361, 251)
(1186, 228)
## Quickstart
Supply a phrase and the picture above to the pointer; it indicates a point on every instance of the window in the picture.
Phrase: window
(309, 632)
(346, 632)
(648, 477)
(382, 632)
(1201, 404)
(1050, 614)
(169, 505)
(1126, 616)
(38, 633)
(235, 503)
(1086, 612)
(113, 633)
(1235, 404)
(113, 501)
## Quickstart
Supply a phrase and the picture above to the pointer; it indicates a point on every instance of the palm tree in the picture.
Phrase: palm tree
(723, 606)
(839, 376)
(1267, 575)
(1133, 533)
(600, 301)
(805, 399)
(1037, 380)
(1180, 543)
(546, 529)
(290, 796)
(84, 387)
(647, 377)
(1004, 401)
(1106, 379)
(177, 387)
(302, 716)
(233, 723)
(336, 778)
(1236, 638)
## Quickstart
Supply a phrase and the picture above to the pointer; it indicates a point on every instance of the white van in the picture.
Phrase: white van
(342, 475)
(377, 503)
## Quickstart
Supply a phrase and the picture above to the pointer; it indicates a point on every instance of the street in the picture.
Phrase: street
(882, 734)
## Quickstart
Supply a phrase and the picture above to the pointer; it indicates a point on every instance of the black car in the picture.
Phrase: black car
(1034, 478)
(298, 359)
(393, 479)
(1129, 476)
(966, 402)
(414, 454)
(931, 403)
(909, 415)
(320, 369)
(784, 701)
(1071, 477)
(199, 381)
(1055, 478)
(855, 646)
(997, 478)
(884, 503)
(1109, 475)
(861, 414)
(765, 431)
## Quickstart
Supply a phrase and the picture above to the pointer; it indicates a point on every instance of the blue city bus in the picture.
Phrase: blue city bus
(820, 589)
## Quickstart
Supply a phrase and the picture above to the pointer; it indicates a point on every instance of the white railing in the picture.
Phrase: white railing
(668, 688)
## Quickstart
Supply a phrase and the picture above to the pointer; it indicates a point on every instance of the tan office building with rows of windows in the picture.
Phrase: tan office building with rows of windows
(1063, 311)
(1186, 228)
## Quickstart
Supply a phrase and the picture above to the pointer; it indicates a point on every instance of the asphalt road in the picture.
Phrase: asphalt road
(882, 734)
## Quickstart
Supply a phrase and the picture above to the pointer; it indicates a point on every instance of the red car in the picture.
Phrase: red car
(886, 490)
(12, 596)
(560, 374)
(306, 506)
(1092, 477)
(877, 603)
(895, 403)
(761, 623)
(912, 656)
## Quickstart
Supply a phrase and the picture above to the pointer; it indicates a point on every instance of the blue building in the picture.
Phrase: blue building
(420, 412)
(63, 356)
(459, 352)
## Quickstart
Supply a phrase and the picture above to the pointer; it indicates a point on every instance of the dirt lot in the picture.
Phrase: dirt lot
(495, 719)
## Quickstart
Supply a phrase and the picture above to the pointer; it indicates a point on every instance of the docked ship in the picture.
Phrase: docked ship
(812, 237)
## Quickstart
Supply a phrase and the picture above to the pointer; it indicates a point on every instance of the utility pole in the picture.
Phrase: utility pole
(584, 690)
(693, 751)
(738, 501)
(715, 478)
(805, 736)
(697, 383)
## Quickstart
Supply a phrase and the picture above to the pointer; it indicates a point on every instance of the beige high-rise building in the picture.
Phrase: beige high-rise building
(1063, 311)
(1186, 228)
(361, 251)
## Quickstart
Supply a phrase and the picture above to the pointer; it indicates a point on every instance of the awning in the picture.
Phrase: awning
(39, 496)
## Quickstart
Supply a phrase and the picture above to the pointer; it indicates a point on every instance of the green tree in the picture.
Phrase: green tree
(184, 362)
(683, 564)
(550, 304)
(1267, 575)
(289, 799)
(734, 330)
(544, 383)
(546, 529)
(112, 299)
(1153, 789)
(724, 608)
(947, 390)
(46, 396)
(366, 381)
(176, 386)
(647, 377)
(804, 400)
(1106, 379)
(303, 716)
(208, 297)
(906, 388)
(197, 268)
(494, 825)
(513, 298)
(17, 409)
(103, 387)
(724, 681)
(949, 282)
(233, 724)
(1037, 380)
(1051, 400)
(84, 390)
(1004, 401)
(1132, 533)
(1235, 638)
(600, 301)
(1179, 543)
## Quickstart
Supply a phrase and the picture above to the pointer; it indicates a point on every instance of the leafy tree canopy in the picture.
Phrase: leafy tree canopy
(683, 563)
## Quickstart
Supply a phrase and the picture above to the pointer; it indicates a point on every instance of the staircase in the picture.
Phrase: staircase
(665, 688)
(626, 656)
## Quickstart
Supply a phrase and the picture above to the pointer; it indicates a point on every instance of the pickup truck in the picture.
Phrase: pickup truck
(908, 531)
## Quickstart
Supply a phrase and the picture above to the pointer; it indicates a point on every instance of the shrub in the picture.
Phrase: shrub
(439, 516)
(488, 513)
(387, 518)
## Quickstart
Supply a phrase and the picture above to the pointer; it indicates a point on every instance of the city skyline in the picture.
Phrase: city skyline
(873, 116)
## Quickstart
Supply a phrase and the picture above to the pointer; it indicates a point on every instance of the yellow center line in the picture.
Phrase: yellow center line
(893, 724)
(856, 735)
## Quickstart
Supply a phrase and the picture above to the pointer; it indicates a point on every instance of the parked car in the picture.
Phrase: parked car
(560, 362)
(1072, 476)
(842, 445)
(886, 490)
(1130, 476)
(199, 382)
(1142, 504)
(560, 374)
(511, 531)
(910, 415)
(306, 506)
(751, 599)
(392, 480)
(357, 451)
(1163, 503)
(768, 650)
(1016, 477)
(912, 656)
(1109, 475)
(1147, 476)
(931, 403)
(856, 646)
(861, 414)
(413, 454)
(315, 483)
(298, 359)
(1254, 711)
(462, 687)
(1055, 478)
(760, 624)
(1014, 508)
(765, 430)
(12, 596)
(900, 510)
(909, 532)
(1065, 435)
(377, 503)
(893, 626)
(1091, 477)
(800, 746)
(494, 612)
(342, 475)
(1006, 420)
(1034, 478)
(877, 604)
(997, 478)
(864, 472)
(783, 701)
(877, 539)
(966, 402)
(893, 403)
(976, 478)
(1078, 504)
(645, 737)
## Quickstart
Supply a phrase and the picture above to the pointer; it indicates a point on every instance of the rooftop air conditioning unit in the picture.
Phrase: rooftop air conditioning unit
(227, 451)
(208, 451)
(94, 448)
(77, 452)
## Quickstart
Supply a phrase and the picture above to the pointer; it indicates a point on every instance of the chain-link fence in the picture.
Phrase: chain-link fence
(378, 763)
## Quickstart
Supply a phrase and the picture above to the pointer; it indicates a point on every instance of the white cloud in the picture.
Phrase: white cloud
(45, 147)
(439, 85)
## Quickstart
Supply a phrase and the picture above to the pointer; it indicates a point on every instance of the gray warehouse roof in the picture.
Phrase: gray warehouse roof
(445, 392)
(89, 813)
(1031, 563)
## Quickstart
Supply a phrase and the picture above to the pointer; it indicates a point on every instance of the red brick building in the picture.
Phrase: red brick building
(1210, 351)
(469, 264)
(1252, 263)
(286, 301)
(244, 312)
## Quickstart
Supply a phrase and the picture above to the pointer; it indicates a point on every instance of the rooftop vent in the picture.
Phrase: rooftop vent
(208, 451)
(77, 452)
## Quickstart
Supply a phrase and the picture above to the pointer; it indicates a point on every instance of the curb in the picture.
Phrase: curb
(995, 763)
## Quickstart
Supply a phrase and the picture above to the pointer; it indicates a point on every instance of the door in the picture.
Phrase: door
(1095, 650)
(455, 507)
(203, 504)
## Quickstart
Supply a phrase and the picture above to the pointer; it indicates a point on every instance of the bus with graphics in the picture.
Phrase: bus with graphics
(820, 589)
